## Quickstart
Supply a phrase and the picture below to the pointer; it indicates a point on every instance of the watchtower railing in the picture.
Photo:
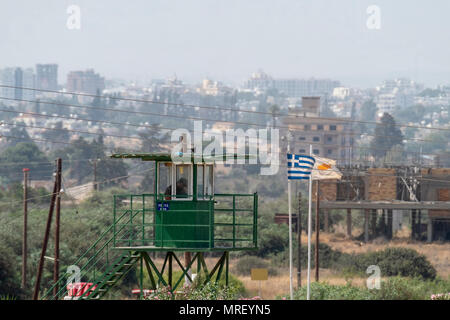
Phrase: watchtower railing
(232, 222)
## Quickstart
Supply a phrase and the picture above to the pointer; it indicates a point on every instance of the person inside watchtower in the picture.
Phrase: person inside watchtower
(182, 187)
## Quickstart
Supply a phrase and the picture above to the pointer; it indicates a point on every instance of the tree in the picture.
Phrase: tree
(387, 135)
(24, 155)
(81, 152)
(368, 110)
(367, 113)
(97, 102)
(9, 278)
(152, 138)
(18, 134)
(58, 134)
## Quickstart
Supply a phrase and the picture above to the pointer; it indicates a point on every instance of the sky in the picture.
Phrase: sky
(227, 40)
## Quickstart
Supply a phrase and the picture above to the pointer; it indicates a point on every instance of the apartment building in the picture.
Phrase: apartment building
(329, 137)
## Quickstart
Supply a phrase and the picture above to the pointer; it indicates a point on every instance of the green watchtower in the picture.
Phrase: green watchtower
(183, 214)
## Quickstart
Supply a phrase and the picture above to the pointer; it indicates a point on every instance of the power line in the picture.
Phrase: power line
(71, 130)
(205, 119)
(99, 183)
(49, 162)
(143, 139)
(152, 127)
(208, 107)
(352, 132)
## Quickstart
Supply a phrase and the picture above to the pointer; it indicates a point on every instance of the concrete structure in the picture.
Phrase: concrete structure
(330, 138)
(85, 81)
(387, 195)
(47, 76)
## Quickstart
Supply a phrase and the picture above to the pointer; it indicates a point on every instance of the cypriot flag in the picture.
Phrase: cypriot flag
(325, 169)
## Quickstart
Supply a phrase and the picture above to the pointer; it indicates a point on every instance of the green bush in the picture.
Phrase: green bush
(397, 262)
(272, 240)
(328, 258)
(200, 291)
(401, 262)
(395, 288)
(9, 276)
(325, 291)
(247, 263)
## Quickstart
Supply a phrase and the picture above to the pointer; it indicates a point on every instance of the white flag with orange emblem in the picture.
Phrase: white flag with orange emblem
(325, 169)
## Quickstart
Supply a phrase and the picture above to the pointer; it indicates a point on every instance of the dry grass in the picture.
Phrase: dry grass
(279, 285)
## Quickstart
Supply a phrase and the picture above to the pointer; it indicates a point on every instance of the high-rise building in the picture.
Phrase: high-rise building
(85, 81)
(28, 81)
(17, 78)
(47, 76)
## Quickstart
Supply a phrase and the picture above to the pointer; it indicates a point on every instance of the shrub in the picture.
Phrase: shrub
(200, 291)
(245, 264)
(9, 277)
(325, 291)
(395, 288)
(272, 240)
(328, 257)
(397, 262)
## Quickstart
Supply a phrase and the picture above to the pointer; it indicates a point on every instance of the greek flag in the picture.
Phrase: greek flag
(300, 166)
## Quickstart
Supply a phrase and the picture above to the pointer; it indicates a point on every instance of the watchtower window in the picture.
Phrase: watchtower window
(165, 177)
(204, 180)
(200, 181)
(209, 180)
(183, 181)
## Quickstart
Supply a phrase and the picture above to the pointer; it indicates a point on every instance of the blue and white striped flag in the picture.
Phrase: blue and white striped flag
(300, 166)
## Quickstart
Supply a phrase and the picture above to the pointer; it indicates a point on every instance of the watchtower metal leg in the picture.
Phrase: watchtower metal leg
(173, 283)
(169, 254)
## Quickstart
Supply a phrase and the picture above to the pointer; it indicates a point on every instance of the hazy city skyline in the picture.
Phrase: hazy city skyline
(228, 40)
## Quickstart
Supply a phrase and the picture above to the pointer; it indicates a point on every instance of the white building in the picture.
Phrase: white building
(292, 87)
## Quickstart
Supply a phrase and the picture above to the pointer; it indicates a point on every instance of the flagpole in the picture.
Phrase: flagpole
(291, 289)
(309, 234)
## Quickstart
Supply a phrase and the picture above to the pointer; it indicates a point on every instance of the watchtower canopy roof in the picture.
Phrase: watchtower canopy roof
(167, 157)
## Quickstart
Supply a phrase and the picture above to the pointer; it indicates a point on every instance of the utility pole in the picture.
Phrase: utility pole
(316, 248)
(25, 222)
(45, 242)
(187, 254)
(57, 225)
(349, 223)
(299, 235)
(95, 175)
